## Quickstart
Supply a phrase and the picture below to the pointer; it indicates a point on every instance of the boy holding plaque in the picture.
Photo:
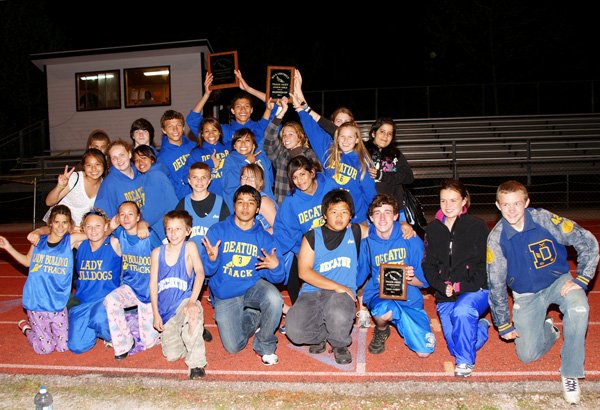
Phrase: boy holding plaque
(241, 109)
(397, 299)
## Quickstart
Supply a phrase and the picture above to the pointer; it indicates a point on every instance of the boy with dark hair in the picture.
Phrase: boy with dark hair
(176, 277)
(241, 109)
(241, 259)
(174, 151)
(527, 252)
(328, 264)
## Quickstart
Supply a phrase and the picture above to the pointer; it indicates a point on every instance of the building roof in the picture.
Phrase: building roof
(62, 57)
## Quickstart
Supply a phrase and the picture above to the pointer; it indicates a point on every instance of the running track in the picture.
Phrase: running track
(496, 361)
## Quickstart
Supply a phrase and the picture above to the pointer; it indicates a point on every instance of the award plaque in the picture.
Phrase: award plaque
(280, 82)
(222, 67)
(392, 281)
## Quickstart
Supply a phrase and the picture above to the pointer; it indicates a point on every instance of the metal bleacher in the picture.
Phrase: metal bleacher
(447, 147)
(499, 146)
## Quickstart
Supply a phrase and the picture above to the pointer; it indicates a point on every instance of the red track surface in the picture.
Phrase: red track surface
(496, 361)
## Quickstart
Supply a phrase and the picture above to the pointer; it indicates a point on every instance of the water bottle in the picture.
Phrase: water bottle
(43, 399)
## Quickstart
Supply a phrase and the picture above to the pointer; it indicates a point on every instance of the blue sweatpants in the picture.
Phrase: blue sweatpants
(412, 323)
(465, 334)
(87, 322)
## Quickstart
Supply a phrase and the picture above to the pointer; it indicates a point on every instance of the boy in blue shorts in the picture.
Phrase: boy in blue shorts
(176, 277)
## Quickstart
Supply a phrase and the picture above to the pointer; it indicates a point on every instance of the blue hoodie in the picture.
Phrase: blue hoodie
(231, 175)
(362, 191)
(375, 251)
(174, 158)
(299, 213)
(194, 119)
(118, 187)
(234, 272)
(160, 198)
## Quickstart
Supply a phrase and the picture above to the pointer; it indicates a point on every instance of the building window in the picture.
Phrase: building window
(99, 90)
(148, 86)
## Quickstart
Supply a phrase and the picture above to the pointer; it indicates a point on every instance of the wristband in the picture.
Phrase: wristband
(307, 109)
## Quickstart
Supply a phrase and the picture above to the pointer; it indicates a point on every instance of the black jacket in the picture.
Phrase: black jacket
(456, 256)
(394, 171)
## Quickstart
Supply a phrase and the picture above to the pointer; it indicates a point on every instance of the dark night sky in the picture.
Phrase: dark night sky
(429, 43)
(365, 47)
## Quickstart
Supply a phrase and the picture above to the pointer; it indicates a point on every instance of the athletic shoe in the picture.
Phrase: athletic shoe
(463, 370)
(282, 330)
(122, 356)
(206, 335)
(377, 344)
(197, 373)
(270, 359)
(571, 391)
(556, 329)
(108, 343)
(23, 326)
(342, 355)
(318, 348)
(364, 318)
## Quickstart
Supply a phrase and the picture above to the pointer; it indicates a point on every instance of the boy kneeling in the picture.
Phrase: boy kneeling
(176, 278)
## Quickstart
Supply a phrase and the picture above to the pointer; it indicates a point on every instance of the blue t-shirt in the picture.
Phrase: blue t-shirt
(98, 272)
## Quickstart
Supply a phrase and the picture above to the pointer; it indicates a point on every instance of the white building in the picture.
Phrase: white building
(109, 88)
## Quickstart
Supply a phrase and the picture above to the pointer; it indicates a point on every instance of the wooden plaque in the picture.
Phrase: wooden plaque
(223, 66)
(280, 82)
(392, 281)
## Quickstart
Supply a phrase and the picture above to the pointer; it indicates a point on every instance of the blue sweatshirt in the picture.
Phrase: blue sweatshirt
(174, 158)
(231, 175)
(349, 178)
(118, 187)
(234, 272)
(375, 251)
(204, 154)
(194, 119)
(160, 199)
(299, 213)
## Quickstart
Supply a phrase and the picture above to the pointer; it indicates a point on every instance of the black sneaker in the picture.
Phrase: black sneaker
(197, 373)
(342, 355)
(122, 356)
(318, 348)
(377, 344)
(206, 335)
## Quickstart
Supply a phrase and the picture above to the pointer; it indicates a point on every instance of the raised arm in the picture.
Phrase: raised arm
(271, 143)
(62, 187)
(194, 118)
(23, 259)
(253, 91)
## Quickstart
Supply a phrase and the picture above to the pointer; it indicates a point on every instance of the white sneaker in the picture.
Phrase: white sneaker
(364, 318)
(571, 391)
(270, 359)
(556, 329)
(463, 370)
